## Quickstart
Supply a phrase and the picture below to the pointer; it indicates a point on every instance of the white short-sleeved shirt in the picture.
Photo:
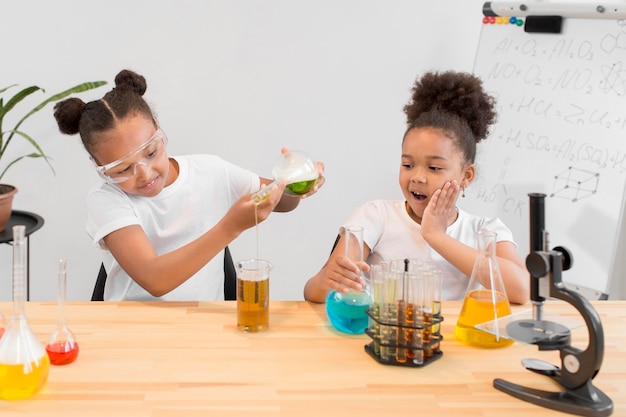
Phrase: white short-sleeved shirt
(205, 189)
(390, 233)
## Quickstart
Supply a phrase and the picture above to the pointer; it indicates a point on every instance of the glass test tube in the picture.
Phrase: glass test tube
(389, 296)
(428, 311)
(416, 296)
(377, 275)
(436, 282)
(401, 313)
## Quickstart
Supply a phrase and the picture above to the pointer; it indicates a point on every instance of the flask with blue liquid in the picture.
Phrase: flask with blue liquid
(347, 311)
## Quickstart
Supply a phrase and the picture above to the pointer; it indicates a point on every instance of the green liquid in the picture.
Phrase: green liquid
(300, 187)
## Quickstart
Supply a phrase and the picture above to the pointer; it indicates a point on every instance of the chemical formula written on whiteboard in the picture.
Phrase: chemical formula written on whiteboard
(567, 149)
(561, 130)
(572, 113)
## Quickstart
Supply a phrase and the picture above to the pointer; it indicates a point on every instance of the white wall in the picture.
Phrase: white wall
(239, 79)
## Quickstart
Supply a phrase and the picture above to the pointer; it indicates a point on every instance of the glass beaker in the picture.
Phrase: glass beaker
(299, 172)
(485, 299)
(347, 311)
(62, 347)
(253, 295)
(24, 363)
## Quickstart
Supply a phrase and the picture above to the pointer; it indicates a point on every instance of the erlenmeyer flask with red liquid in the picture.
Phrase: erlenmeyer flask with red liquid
(62, 347)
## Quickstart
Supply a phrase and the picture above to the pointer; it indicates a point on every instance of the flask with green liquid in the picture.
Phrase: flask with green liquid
(297, 170)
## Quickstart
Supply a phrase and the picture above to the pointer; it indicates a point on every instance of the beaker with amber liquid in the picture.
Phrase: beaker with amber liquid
(24, 363)
(485, 299)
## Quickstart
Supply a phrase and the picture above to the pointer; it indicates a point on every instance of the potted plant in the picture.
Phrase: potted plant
(8, 191)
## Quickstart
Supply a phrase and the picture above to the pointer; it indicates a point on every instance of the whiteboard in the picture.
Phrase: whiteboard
(561, 131)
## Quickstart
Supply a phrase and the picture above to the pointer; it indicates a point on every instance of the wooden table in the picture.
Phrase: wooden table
(188, 359)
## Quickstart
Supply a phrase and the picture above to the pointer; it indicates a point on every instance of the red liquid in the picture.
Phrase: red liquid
(60, 354)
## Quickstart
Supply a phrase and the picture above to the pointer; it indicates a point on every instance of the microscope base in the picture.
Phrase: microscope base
(585, 401)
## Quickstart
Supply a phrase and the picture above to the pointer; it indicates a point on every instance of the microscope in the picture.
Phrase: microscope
(578, 367)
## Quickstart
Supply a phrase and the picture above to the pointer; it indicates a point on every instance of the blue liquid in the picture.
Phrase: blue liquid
(346, 312)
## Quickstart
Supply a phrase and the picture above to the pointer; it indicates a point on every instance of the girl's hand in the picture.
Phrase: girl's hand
(343, 275)
(242, 214)
(320, 180)
(441, 208)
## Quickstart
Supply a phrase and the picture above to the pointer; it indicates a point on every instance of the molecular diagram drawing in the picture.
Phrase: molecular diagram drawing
(575, 184)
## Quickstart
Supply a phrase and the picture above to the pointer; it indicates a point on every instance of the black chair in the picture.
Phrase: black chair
(230, 280)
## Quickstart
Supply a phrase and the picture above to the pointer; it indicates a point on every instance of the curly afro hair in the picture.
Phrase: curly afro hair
(454, 102)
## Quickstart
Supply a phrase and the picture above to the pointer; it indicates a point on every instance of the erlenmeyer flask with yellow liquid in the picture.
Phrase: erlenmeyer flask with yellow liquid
(24, 363)
(485, 299)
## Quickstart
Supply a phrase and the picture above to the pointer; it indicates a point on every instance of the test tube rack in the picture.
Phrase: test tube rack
(418, 344)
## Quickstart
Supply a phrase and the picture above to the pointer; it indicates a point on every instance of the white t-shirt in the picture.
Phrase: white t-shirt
(390, 233)
(205, 189)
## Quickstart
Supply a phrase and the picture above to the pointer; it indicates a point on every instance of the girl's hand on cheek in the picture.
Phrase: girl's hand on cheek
(447, 198)
(441, 207)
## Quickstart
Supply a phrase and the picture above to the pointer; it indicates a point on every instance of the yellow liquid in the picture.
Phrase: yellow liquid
(478, 308)
(18, 384)
(253, 313)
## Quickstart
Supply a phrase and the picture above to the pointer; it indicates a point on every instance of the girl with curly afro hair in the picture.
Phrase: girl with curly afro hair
(448, 114)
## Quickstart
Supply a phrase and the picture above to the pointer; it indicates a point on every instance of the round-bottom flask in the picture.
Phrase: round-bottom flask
(62, 347)
(24, 363)
(297, 170)
(346, 311)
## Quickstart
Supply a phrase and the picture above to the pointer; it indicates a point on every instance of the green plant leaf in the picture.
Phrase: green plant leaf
(76, 89)
(17, 98)
(32, 155)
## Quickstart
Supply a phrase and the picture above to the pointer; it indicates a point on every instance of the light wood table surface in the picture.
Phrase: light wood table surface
(189, 359)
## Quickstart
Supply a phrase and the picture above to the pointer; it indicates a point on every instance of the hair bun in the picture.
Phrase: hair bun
(68, 113)
(130, 80)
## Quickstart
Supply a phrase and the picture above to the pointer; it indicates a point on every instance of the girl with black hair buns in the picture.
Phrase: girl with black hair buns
(163, 221)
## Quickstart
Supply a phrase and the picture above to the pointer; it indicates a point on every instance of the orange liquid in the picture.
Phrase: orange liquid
(21, 381)
(62, 353)
(1, 332)
(253, 314)
(478, 308)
